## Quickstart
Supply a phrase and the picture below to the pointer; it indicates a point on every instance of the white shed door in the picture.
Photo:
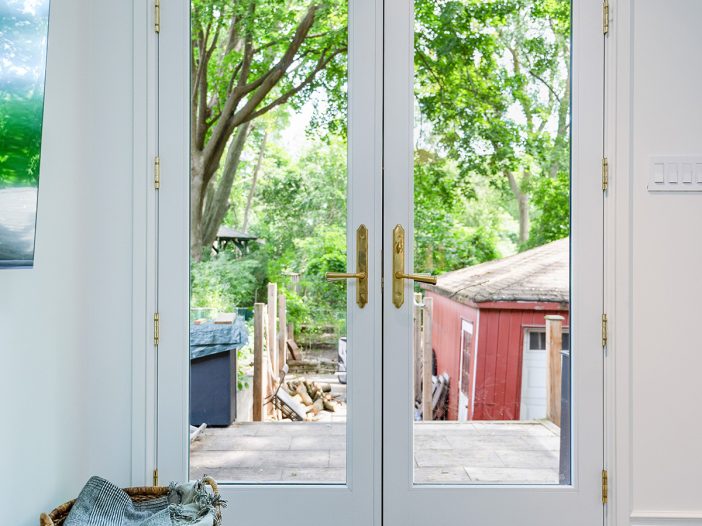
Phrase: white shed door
(533, 404)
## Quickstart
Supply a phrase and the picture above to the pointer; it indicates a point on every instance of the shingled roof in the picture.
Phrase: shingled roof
(539, 274)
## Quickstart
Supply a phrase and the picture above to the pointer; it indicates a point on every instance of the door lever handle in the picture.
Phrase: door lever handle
(333, 276)
(361, 273)
(422, 278)
(398, 268)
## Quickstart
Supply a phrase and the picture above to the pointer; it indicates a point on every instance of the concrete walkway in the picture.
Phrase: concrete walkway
(445, 452)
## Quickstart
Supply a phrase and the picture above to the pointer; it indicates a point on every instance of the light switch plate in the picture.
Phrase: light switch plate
(675, 174)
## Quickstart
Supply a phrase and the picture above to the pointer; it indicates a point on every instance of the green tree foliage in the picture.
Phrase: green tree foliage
(250, 57)
(225, 282)
(446, 237)
(492, 155)
(301, 214)
(493, 80)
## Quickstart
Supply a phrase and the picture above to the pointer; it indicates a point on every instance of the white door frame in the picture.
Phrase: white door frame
(404, 502)
(357, 501)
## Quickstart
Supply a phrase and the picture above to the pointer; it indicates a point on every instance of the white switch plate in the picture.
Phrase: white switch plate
(675, 174)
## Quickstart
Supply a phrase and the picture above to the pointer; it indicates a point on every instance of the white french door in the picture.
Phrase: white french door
(355, 498)
(498, 502)
(380, 485)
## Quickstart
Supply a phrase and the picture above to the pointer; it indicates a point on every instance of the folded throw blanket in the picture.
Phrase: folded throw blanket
(101, 503)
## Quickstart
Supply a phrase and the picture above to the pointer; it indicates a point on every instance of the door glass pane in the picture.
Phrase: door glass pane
(492, 221)
(268, 376)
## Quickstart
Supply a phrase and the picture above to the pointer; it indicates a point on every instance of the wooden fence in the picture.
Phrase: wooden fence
(270, 349)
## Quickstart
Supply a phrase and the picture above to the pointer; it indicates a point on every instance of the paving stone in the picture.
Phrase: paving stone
(326, 475)
(512, 475)
(440, 458)
(307, 443)
(445, 452)
(443, 475)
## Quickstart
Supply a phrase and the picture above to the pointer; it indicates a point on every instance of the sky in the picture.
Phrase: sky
(23, 36)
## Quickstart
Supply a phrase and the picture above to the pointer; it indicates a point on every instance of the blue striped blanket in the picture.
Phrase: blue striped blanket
(101, 503)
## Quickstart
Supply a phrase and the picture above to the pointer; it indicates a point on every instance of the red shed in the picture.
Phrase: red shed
(489, 332)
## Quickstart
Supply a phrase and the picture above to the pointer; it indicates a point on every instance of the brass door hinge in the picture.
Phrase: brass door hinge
(157, 328)
(157, 16)
(605, 487)
(157, 173)
(155, 477)
(605, 174)
(605, 17)
(604, 330)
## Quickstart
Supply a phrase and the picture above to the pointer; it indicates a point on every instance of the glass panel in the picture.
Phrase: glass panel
(23, 38)
(492, 221)
(268, 220)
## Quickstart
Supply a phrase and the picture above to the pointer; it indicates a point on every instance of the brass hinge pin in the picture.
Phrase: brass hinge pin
(157, 328)
(605, 17)
(605, 487)
(605, 174)
(157, 16)
(604, 330)
(155, 477)
(157, 173)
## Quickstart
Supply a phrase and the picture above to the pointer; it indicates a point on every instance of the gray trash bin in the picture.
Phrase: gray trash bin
(213, 371)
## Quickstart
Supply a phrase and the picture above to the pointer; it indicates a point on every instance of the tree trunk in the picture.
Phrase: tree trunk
(254, 179)
(523, 204)
(217, 204)
(197, 189)
(561, 140)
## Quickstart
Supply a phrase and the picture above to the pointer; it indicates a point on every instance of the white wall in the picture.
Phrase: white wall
(65, 326)
(656, 92)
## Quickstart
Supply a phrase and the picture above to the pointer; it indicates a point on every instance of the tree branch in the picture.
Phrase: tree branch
(321, 64)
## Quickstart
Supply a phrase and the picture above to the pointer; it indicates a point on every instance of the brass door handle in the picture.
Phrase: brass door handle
(333, 276)
(398, 268)
(361, 273)
(422, 278)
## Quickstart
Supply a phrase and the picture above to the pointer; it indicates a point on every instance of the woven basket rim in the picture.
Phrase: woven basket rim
(60, 512)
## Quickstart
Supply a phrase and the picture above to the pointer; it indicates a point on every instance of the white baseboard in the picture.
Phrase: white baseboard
(666, 518)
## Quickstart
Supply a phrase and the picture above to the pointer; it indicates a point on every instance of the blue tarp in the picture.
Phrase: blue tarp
(207, 339)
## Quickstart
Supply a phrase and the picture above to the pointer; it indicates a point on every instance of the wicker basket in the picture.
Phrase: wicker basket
(58, 515)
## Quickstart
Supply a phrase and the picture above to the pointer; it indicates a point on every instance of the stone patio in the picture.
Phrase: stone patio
(445, 452)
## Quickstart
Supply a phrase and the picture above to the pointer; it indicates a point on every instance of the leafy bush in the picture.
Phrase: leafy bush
(223, 282)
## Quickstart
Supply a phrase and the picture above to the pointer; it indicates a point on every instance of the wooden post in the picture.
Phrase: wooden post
(417, 343)
(554, 345)
(272, 332)
(427, 386)
(259, 373)
(283, 331)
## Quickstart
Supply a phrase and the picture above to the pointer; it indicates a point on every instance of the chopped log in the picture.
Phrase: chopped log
(325, 387)
(317, 406)
(302, 391)
(329, 406)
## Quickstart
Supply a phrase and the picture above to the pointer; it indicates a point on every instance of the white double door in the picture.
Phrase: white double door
(380, 486)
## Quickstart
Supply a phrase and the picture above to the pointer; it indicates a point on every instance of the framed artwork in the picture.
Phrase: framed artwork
(24, 26)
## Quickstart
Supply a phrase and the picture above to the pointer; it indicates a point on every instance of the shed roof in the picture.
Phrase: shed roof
(226, 232)
(540, 275)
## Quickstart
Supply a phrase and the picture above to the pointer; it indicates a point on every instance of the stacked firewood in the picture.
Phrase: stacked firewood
(315, 396)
